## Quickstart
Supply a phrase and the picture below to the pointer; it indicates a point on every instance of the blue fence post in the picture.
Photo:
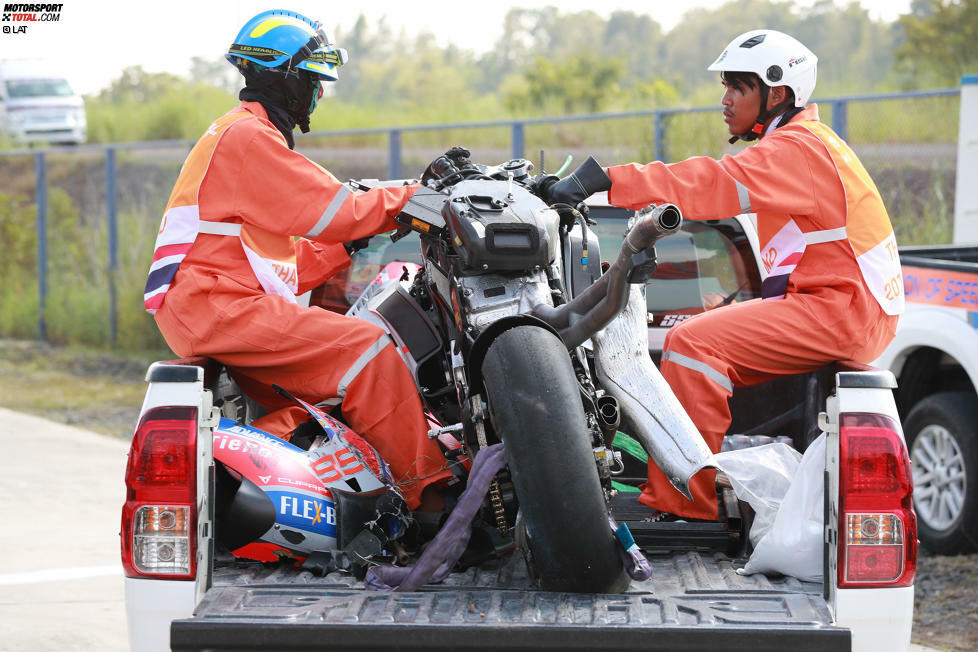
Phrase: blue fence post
(394, 154)
(840, 118)
(113, 242)
(40, 171)
(660, 136)
(519, 139)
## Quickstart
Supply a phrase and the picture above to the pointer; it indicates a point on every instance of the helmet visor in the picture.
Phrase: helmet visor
(320, 55)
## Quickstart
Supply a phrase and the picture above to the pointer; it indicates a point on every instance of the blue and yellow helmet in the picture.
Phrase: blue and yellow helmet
(287, 40)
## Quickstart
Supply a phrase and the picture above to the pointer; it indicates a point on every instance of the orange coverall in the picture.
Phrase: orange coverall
(243, 173)
(833, 289)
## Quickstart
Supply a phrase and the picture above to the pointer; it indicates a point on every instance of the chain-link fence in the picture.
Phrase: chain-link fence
(77, 226)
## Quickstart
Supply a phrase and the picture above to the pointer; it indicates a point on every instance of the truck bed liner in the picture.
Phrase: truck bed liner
(693, 601)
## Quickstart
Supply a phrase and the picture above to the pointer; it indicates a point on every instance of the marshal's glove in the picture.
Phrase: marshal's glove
(447, 165)
(354, 246)
(586, 180)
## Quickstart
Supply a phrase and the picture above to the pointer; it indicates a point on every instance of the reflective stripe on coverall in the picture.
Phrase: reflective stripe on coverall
(231, 294)
(832, 288)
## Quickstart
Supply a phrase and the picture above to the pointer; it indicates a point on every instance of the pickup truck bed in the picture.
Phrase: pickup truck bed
(694, 600)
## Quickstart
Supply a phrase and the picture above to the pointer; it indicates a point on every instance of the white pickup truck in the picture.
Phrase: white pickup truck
(183, 592)
(934, 357)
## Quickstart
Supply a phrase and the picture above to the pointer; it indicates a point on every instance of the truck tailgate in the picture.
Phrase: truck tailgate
(695, 601)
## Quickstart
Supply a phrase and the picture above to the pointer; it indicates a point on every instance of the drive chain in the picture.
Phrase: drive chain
(495, 495)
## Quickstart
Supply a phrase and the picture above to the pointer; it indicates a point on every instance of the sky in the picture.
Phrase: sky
(93, 40)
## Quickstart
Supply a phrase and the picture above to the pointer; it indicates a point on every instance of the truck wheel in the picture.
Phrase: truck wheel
(942, 432)
(535, 407)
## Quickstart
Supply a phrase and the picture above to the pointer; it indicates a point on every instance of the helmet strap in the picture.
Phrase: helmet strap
(763, 116)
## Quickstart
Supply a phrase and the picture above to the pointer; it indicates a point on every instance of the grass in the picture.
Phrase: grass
(91, 389)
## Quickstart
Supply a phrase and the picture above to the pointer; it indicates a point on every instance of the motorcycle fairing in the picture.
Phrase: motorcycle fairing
(297, 483)
(390, 274)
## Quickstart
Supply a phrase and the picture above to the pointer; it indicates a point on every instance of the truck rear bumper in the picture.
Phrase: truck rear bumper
(256, 635)
(880, 619)
(150, 607)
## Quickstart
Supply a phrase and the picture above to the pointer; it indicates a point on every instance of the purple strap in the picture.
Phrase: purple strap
(636, 564)
(439, 557)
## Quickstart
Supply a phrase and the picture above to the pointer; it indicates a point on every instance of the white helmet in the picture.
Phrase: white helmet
(775, 57)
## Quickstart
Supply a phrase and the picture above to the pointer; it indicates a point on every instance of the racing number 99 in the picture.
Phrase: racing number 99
(333, 466)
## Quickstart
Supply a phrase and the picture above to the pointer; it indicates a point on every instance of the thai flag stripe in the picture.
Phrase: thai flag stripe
(160, 277)
(153, 301)
(791, 259)
(166, 251)
(774, 287)
(165, 262)
(158, 292)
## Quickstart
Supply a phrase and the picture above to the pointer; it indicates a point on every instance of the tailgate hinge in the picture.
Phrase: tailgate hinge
(825, 425)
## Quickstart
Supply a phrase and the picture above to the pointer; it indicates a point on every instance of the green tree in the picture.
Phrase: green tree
(941, 43)
(137, 85)
(583, 82)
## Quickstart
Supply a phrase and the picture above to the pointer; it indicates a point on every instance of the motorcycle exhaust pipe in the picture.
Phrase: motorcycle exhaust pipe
(650, 412)
(596, 306)
(609, 414)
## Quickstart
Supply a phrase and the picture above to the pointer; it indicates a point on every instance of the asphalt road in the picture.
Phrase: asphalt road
(61, 493)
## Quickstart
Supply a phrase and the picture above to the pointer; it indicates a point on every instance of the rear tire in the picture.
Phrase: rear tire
(942, 434)
(535, 407)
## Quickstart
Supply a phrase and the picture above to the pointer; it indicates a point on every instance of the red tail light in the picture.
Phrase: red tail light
(159, 518)
(877, 525)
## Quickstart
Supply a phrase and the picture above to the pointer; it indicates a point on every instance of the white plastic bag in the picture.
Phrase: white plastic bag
(760, 477)
(788, 535)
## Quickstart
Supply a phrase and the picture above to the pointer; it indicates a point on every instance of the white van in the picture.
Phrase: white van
(38, 105)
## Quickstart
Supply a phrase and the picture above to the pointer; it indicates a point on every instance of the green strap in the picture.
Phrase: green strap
(624, 487)
(633, 448)
(630, 446)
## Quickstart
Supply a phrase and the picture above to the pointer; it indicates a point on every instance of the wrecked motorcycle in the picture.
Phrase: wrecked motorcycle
(513, 334)
(497, 327)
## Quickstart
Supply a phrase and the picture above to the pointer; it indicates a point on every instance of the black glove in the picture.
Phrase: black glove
(447, 164)
(586, 180)
(540, 185)
(356, 245)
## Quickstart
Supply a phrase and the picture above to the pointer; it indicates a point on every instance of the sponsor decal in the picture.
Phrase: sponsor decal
(232, 442)
(302, 484)
(941, 287)
(668, 321)
(797, 60)
(229, 427)
(264, 459)
(303, 512)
